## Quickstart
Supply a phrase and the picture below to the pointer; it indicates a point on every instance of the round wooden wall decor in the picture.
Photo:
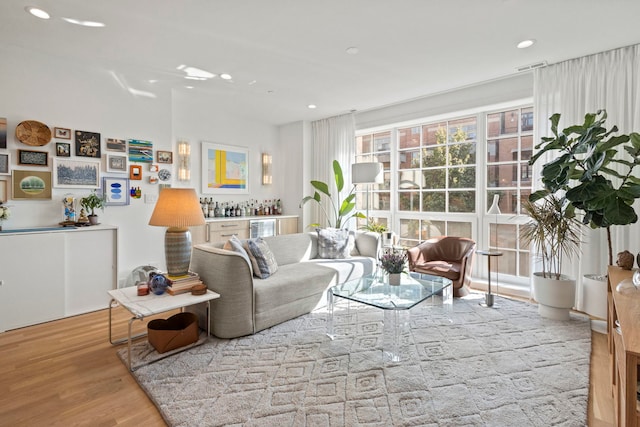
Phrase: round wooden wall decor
(34, 133)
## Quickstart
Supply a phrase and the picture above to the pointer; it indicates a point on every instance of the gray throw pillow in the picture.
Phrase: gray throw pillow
(334, 243)
(234, 244)
(263, 260)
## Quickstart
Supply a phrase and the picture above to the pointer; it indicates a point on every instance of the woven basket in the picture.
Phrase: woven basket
(177, 331)
(34, 133)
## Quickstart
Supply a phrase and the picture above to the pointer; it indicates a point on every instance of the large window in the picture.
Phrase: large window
(441, 176)
(509, 147)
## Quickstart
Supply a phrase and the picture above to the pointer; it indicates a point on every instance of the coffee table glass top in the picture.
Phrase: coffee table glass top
(376, 291)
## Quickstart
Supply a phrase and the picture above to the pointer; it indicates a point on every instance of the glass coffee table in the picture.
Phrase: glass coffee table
(375, 290)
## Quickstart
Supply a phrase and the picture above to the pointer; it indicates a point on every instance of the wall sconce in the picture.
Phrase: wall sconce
(267, 178)
(184, 161)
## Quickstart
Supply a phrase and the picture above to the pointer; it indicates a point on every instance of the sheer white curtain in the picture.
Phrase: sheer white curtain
(332, 139)
(608, 80)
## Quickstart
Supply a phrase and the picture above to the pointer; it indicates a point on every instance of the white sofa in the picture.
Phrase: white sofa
(248, 304)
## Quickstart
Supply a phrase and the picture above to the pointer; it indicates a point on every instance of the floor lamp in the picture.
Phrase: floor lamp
(178, 209)
(367, 173)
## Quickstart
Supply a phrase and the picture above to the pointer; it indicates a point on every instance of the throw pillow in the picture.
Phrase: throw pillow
(334, 243)
(234, 244)
(265, 262)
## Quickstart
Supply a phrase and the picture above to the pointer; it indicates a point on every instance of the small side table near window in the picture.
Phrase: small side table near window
(488, 297)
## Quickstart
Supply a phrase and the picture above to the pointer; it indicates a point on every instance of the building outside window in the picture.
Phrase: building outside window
(444, 174)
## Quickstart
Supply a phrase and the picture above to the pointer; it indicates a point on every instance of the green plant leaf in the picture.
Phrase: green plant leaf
(337, 173)
(321, 187)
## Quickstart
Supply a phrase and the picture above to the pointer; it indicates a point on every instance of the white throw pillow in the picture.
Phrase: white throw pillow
(334, 243)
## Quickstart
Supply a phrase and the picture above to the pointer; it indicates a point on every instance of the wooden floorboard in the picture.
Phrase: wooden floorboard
(66, 373)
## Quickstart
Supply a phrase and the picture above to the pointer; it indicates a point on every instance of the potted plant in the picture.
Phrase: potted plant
(341, 211)
(91, 203)
(394, 263)
(586, 158)
(554, 232)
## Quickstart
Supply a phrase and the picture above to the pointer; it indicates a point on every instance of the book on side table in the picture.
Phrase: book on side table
(183, 284)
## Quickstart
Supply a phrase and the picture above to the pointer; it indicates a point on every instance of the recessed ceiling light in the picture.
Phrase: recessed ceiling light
(252, 82)
(225, 76)
(194, 73)
(93, 24)
(189, 87)
(352, 50)
(38, 13)
(312, 106)
(526, 43)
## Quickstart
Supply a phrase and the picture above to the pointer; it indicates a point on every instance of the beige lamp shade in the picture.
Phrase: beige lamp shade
(177, 207)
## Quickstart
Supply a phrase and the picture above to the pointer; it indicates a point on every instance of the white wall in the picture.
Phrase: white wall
(80, 97)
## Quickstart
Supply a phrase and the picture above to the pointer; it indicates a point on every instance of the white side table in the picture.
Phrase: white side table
(148, 305)
(488, 300)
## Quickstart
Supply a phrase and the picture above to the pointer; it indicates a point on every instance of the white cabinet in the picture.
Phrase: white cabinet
(53, 274)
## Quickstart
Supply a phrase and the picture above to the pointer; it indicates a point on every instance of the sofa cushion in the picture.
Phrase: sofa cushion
(293, 282)
(334, 243)
(262, 259)
(347, 269)
(236, 245)
(291, 248)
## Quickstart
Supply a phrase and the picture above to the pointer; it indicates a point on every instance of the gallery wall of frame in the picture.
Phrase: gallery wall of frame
(80, 160)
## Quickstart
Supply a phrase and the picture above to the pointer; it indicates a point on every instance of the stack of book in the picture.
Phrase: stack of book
(183, 284)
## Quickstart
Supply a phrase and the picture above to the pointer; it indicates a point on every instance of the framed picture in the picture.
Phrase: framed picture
(135, 172)
(115, 191)
(224, 169)
(153, 168)
(87, 144)
(62, 133)
(3, 132)
(164, 156)
(117, 163)
(3, 192)
(5, 161)
(76, 173)
(33, 158)
(119, 145)
(63, 149)
(32, 185)
(140, 151)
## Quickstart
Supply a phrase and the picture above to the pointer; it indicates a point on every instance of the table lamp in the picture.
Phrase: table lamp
(367, 173)
(178, 209)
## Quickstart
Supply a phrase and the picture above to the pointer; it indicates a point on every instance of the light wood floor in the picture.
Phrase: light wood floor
(66, 373)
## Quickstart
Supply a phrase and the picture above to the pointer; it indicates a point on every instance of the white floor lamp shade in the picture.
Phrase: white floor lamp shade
(495, 210)
(367, 173)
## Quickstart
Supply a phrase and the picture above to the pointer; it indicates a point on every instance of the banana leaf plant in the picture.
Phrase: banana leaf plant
(583, 167)
(341, 211)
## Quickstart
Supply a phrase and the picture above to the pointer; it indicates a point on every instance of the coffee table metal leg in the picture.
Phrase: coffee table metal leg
(121, 340)
(330, 302)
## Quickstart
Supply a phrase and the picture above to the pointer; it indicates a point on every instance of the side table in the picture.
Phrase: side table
(148, 305)
(488, 300)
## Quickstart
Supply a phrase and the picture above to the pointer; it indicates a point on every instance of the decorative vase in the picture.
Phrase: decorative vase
(93, 219)
(555, 297)
(395, 278)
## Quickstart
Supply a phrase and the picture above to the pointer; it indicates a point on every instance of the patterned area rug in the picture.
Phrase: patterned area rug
(463, 366)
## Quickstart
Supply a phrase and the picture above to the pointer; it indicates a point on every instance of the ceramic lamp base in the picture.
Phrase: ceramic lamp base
(177, 249)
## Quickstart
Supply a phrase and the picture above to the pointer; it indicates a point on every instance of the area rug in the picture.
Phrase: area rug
(464, 365)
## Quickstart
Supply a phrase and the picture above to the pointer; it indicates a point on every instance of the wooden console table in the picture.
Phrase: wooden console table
(623, 324)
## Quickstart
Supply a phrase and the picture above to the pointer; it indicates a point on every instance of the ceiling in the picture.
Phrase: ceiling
(286, 54)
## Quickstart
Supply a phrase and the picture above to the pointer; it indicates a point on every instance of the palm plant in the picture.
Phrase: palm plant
(341, 211)
(553, 231)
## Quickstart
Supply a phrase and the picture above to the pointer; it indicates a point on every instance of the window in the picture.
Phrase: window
(509, 148)
(440, 178)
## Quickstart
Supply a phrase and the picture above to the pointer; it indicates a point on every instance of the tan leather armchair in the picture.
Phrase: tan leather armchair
(445, 256)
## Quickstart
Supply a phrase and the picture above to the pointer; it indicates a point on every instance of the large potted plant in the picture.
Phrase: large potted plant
(340, 211)
(553, 231)
(595, 169)
(91, 203)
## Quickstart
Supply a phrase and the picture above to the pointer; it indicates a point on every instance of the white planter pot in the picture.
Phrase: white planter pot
(555, 298)
(594, 295)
